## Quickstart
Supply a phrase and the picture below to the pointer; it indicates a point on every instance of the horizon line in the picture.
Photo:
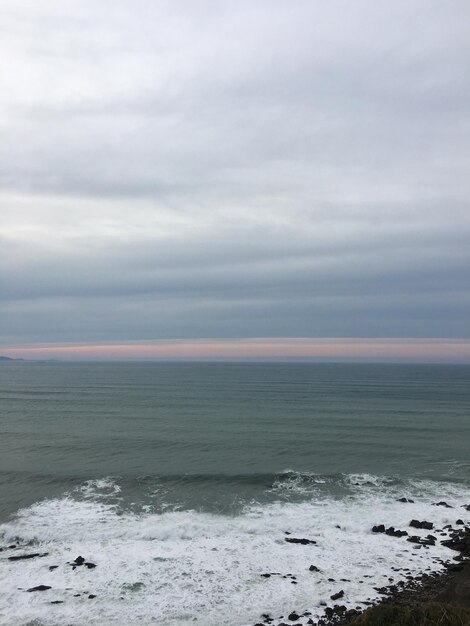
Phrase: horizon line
(332, 349)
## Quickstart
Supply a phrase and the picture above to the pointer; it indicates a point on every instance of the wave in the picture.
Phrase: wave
(175, 567)
(269, 480)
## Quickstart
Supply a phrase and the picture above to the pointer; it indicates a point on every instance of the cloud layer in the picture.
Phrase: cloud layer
(218, 169)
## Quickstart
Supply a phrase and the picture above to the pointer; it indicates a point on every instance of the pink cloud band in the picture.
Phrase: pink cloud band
(418, 350)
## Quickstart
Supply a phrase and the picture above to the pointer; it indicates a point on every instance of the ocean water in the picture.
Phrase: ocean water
(181, 481)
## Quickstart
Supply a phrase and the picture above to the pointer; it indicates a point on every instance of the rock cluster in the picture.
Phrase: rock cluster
(78, 562)
(457, 538)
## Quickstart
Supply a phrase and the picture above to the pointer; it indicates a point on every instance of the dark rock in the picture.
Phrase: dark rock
(57, 602)
(79, 560)
(329, 612)
(337, 596)
(293, 617)
(405, 500)
(313, 568)
(91, 596)
(460, 522)
(414, 539)
(425, 525)
(459, 541)
(455, 567)
(303, 542)
(265, 575)
(90, 565)
(395, 533)
(466, 507)
(378, 529)
(39, 588)
(352, 613)
(21, 557)
(53, 567)
(442, 503)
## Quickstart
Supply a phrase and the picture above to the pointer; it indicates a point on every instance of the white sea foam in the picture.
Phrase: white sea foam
(99, 488)
(186, 567)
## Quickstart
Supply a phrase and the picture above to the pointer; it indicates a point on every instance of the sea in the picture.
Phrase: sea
(182, 482)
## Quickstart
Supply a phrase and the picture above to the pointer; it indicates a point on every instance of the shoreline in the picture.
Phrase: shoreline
(449, 588)
(437, 542)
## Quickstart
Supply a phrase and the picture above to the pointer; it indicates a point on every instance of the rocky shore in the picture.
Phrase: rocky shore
(450, 586)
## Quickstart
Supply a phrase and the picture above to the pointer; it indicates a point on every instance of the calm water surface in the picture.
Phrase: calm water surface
(180, 482)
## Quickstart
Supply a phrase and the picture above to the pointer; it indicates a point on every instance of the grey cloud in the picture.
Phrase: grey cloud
(219, 169)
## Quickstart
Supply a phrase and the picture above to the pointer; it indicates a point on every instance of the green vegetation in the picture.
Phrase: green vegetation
(418, 615)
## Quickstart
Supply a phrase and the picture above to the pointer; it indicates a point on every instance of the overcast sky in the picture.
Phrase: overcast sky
(220, 169)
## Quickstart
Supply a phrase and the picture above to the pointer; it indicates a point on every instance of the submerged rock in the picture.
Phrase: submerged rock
(302, 541)
(39, 588)
(21, 557)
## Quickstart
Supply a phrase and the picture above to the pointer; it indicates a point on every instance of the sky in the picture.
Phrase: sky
(225, 176)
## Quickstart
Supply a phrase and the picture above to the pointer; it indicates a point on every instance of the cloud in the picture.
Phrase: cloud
(305, 348)
(218, 170)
